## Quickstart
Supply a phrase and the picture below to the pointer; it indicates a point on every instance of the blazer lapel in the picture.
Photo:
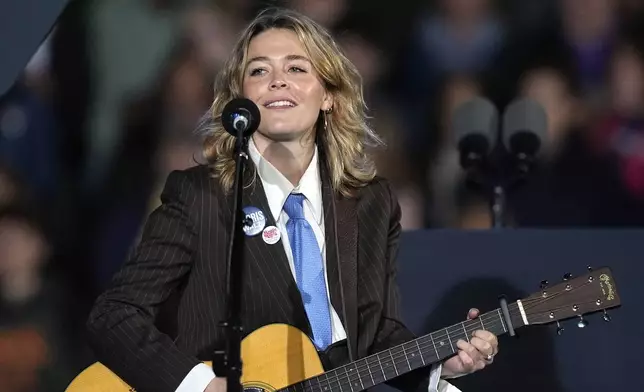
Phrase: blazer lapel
(270, 259)
(343, 244)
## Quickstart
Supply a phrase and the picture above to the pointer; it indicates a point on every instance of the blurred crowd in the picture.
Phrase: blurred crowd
(109, 104)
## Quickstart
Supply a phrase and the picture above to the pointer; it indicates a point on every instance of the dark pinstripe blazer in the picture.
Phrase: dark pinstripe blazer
(183, 249)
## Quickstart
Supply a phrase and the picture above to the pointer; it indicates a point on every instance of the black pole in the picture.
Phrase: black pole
(232, 360)
(498, 207)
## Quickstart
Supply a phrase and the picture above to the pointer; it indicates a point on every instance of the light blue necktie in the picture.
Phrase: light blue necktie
(309, 271)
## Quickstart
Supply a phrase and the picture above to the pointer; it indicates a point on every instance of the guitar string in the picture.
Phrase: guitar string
(399, 349)
(528, 303)
(340, 379)
(344, 379)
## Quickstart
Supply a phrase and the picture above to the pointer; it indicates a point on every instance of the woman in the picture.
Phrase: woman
(315, 197)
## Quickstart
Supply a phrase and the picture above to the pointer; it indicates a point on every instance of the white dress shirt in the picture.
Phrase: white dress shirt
(277, 189)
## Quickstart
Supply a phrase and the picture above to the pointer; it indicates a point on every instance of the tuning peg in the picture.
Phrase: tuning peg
(582, 323)
(560, 329)
(567, 276)
(590, 269)
(606, 316)
(544, 284)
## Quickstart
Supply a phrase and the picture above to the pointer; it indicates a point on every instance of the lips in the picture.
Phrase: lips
(281, 103)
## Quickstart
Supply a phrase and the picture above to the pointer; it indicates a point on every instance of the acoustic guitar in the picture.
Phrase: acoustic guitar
(279, 357)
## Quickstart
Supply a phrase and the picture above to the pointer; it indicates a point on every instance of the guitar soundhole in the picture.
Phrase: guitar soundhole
(254, 389)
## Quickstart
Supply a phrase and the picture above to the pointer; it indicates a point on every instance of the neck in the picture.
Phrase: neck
(290, 157)
(396, 361)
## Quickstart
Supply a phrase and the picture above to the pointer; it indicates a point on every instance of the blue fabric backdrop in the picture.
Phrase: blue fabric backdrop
(444, 273)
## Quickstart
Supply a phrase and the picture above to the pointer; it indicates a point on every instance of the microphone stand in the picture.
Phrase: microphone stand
(497, 176)
(233, 326)
(498, 207)
(508, 173)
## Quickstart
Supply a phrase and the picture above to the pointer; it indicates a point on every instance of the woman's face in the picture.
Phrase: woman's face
(281, 80)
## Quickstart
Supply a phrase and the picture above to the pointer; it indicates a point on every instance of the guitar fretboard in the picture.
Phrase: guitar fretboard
(423, 351)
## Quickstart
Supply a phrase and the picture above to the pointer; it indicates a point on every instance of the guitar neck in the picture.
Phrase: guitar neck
(404, 358)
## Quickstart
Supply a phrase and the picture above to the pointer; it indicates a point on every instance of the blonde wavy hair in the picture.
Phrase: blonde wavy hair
(343, 134)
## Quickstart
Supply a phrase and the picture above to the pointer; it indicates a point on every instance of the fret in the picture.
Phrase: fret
(333, 378)
(373, 382)
(363, 372)
(352, 373)
(343, 378)
(326, 384)
(310, 385)
(346, 372)
(360, 379)
(465, 331)
(449, 339)
(373, 378)
(339, 380)
(501, 318)
(421, 353)
(393, 362)
(481, 320)
(435, 349)
(384, 376)
(406, 357)
(412, 356)
(373, 373)
(443, 348)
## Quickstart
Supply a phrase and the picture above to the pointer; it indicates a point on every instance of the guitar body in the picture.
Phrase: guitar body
(274, 357)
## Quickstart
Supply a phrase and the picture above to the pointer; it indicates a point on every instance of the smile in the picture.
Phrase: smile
(281, 104)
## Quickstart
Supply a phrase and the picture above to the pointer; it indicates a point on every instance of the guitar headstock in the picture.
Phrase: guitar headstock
(574, 297)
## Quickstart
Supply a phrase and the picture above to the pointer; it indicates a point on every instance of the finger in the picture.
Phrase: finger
(472, 313)
(470, 350)
(467, 361)
(482, 346)
(488, 337)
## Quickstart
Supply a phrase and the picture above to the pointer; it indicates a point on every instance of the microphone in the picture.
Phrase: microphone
(240, 117)
(525, 128)
(475, 129)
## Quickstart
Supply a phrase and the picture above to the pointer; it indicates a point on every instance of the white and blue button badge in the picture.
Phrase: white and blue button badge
(256, 223)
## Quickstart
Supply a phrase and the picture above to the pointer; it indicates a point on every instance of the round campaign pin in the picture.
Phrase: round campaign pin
(255, 221)
(271, 235)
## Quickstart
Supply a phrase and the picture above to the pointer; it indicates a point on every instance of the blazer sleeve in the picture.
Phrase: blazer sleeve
(391, 330)
(121, 326)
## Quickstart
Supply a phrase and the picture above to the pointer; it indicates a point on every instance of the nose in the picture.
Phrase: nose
(278, 83)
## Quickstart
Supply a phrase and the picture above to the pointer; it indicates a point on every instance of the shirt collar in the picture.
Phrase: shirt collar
(278, 187)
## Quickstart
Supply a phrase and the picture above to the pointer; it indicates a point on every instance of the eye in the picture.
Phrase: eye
(295, 68)
(257, 71)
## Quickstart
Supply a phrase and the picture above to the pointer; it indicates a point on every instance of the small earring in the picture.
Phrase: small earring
(325, 122)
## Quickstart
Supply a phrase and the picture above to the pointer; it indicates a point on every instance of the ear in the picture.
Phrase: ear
(327, 101)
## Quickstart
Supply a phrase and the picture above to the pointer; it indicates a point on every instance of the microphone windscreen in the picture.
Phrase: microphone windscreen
(525, 126)
(475, 120)
(240, 106)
